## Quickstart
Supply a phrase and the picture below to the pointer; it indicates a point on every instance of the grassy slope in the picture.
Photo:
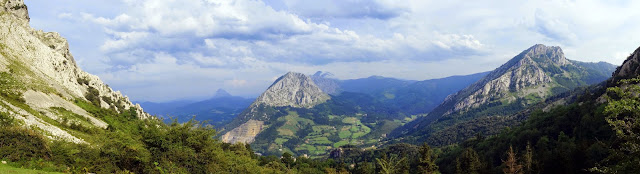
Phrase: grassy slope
(4, 168)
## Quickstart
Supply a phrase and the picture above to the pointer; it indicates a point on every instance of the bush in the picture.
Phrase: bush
(93, 95)
(20, 144)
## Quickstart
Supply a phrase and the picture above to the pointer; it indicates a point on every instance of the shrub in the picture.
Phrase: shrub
(20, 144)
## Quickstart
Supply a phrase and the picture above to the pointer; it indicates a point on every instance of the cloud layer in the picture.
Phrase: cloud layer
(161, 50)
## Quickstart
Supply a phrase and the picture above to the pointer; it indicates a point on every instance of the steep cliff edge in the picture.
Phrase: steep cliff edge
(40, 79)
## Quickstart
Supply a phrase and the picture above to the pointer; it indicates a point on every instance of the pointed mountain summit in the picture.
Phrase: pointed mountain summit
(221, 93)
(528, 78)
(291, 90)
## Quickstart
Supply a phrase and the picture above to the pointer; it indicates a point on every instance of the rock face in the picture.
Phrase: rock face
(526, 70)
(292, 89)
(15, 7)
(629, 69)
(244, 133)
(39, 67)
(529, 78)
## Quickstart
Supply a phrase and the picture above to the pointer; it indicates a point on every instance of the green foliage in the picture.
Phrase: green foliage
(93, 96)
(20, 144)
(6, 120)
(393, 165)
(468, 162)
(83, 81)
(623, 115)
(427, 162)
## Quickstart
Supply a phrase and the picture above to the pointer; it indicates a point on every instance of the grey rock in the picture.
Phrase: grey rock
(48, 75)
(292, 89)
(16, 7)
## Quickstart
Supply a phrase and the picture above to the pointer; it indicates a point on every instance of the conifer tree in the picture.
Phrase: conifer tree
(528, 159)
(468, 162)
(511, 164)
(427, 162)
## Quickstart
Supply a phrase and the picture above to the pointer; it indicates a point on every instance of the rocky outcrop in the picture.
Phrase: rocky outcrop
(16, 8)
(45, 73)
(524, 71)
(292, 90)
(244, 133)
(629, 69)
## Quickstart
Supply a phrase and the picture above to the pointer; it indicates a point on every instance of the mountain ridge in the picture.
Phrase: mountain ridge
(528, 78)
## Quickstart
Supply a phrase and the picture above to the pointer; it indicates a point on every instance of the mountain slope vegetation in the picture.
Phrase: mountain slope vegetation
(529, 78)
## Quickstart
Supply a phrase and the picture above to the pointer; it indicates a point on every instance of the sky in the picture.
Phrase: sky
(165, 50)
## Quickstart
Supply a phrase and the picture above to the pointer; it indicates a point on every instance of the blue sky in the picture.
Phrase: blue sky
(162, 50)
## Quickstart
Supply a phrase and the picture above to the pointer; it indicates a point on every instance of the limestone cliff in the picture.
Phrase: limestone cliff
(528, 78)
(525, 71)
(40, 77)
(292, 90)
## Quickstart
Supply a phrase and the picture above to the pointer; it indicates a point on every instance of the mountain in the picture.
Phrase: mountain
(412, 97)
(161, 109)
(42, 86)
(422, 96)
(630, 68)
(217, 111)
(283, 124)
(530, 77)
(592, 131)
(221, 93)
(326, 83)
(373, 85)
(292, 89)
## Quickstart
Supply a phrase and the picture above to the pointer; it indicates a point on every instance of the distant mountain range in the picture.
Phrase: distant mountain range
(217, 111)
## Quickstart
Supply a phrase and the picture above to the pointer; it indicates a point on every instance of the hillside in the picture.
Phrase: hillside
(407, 96)
(217, 111)
(527, 79)
(43, 87)
(54, 117)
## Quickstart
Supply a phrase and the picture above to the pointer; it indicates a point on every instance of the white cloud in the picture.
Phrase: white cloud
(168, 49)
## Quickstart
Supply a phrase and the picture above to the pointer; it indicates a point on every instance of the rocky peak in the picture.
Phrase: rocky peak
(293, 89)
(524, 71)
(546, 54)
(221, 93)
(15, 7)
(630, 68)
